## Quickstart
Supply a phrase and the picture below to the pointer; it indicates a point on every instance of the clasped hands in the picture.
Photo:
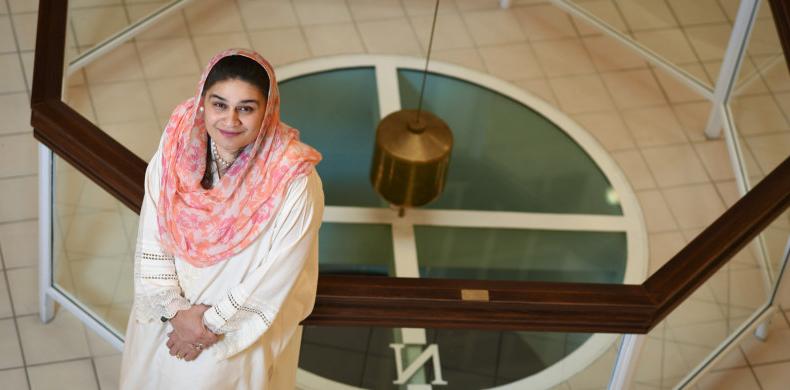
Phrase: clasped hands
(189, 336)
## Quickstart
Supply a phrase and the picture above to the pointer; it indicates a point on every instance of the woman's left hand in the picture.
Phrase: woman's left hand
(183, 349)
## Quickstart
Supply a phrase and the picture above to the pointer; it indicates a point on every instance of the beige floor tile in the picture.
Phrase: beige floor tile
(15, 110)
(96, 234)
(732, 359)
(747, 288)
(281, 46)
(776, 349)
(659, 362)
(170, 27)
(98, 346)
(332, 39)
(322, 11)
(596, 375)
(769, 150)
(363, 10)
(5, 299)
(563, 58)
(168, 93)
(608, 128)
(777, 76)
(122, 102)
(698, 11)
(12, 80)
(658, 218)
(451, 32)
(493, 27)
(168, 58)
(733, 379)
(468, 58)
(709, 41)
(79, 99)
(394, 36)
(18, 6)
(19, 199)
(10, 354)
(608, 54)
(68, 375)
(93, 25)
(654, 126)
(605, 10)
(23, 284)
(670, 44)
(634, 88)
(545, 21)
(676, 91)
(14, 379)
(94, 198)
(18, 155)
(580, 94)
(694, 118)
(511, 62)
(209, 45)
(260, 15)
(663, 246)
(715, 158)
(25, 29)
(635, 169)
(647, 14)
(18, 242)
(540, 88)
(764, 38)
(675, 165)
(63, 338)
(142, 138)
(108, 369)
(120, 64)
(212, 17)
(729, 192)
(694, 206)
(96, 279)
(772, 376)
(422, 7)
(757, 115)
(694, 311)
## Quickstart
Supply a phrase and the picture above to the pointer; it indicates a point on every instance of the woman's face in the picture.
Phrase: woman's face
(233, 112)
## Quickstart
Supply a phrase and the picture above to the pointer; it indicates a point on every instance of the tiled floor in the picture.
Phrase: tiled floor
(650, 123)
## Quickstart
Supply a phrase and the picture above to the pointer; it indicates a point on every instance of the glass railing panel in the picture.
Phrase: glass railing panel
(760, 120)
(333, 357)
(93, 247)
(690, 35)
(695, 330)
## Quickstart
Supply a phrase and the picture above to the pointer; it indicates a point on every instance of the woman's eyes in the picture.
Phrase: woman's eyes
(223, 106)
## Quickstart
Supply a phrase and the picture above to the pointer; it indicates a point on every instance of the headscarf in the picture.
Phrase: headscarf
(204, 227)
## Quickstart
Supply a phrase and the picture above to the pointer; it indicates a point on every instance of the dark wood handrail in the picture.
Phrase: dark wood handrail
(420, 302)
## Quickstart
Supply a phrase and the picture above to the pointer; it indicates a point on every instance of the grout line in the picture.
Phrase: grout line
(95, 371)
(15, 318)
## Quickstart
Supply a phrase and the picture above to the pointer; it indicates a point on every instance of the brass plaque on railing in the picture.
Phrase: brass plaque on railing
(474, 295)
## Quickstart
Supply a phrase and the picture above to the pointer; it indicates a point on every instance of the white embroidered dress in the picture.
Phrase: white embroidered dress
(257, 298)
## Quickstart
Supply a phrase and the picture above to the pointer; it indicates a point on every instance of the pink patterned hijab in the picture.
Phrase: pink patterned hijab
(204, 227)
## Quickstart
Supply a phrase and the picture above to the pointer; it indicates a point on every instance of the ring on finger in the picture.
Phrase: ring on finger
(198, 346)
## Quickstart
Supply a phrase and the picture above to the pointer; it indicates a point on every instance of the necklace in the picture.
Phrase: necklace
(218, 158)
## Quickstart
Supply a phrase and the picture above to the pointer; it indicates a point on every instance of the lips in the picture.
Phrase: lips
(229, 133)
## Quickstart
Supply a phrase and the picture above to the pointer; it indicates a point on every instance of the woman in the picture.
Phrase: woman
(226, 258)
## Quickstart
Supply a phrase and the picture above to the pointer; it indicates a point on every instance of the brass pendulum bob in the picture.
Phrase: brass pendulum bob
(411, 157)
(412, 151)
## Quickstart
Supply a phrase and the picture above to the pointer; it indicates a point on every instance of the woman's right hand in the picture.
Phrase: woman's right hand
(188, 326)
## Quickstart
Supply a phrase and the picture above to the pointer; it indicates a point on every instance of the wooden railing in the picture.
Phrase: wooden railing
(422, 302)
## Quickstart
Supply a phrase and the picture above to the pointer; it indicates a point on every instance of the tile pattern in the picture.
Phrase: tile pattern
(650, 123)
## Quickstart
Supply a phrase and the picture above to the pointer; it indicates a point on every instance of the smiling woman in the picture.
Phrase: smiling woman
(229, 182)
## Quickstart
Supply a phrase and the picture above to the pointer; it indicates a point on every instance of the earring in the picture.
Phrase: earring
(200, 109)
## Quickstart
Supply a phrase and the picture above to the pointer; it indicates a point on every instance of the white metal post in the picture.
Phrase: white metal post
(733, 58)
(626, 363)
(46, 306)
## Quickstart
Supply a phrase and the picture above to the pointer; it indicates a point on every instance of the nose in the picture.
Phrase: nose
(233, 118)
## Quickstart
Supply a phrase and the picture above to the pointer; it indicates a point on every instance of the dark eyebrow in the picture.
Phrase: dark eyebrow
(247, 101)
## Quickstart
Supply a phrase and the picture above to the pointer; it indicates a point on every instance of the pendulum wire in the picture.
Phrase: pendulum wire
(427, 60)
